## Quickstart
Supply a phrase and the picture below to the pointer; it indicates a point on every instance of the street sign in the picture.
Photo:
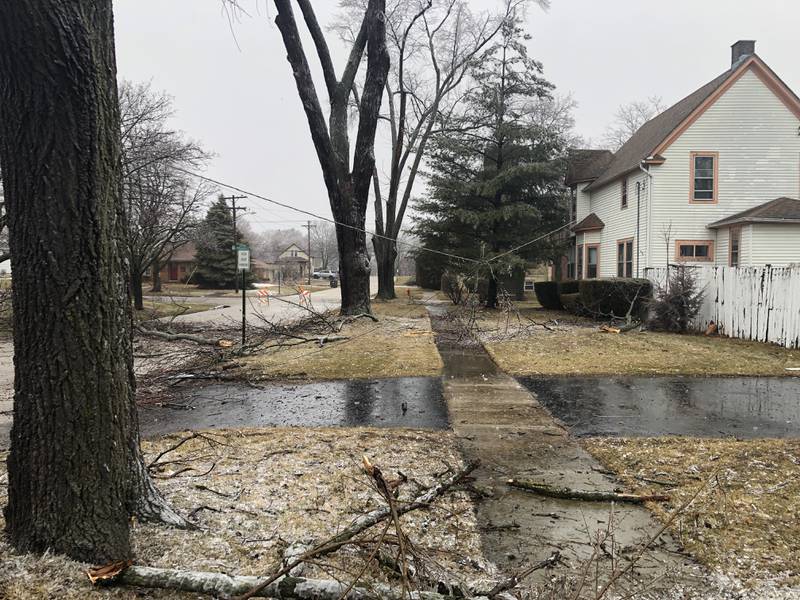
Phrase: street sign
(243, 259)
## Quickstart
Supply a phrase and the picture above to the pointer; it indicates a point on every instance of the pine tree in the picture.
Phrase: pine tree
(495, 173)
(216, 258)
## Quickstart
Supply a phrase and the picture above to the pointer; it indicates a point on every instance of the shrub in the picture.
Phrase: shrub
(453, 287)
(547, 293)
(678, 302)
(615, 297)
(429, 269)
(571, 302)
(568, 287)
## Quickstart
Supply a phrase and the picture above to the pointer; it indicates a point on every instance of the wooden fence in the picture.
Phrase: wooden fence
(751, 303)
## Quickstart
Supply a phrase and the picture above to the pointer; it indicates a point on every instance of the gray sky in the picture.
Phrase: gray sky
(241, 102)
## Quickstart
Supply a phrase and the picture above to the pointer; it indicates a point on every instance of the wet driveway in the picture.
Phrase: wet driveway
(414, 402)
(745, 407)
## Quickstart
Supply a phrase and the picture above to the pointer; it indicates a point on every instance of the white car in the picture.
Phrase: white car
(323, 275)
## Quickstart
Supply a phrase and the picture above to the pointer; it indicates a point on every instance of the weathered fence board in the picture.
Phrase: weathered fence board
(751, 303)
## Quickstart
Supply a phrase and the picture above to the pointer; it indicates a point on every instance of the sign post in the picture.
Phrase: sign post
(243, 264)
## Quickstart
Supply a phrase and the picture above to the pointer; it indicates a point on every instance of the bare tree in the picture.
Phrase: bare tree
(629, 118)
(348, 188)
(433, 45)
(75, 470)
(323, 244)
(161, 201)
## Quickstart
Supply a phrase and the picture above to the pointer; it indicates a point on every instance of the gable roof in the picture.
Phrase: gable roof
(590, 222)
(780, 210)
(658, 133)
(586, 165)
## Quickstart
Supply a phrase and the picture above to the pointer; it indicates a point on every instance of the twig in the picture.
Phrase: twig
(569, 494)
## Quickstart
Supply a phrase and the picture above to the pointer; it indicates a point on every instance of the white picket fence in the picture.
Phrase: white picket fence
(751, 303)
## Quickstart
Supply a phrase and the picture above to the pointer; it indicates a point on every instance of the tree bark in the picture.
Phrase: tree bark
(75, 469)
(156, 270)
(491, 293)
(136, 289)
(386, 258)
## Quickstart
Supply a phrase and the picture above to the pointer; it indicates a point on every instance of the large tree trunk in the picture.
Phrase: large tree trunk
(75, 469)
(353, 269)
(386, 258)
(156, 270)
(136, 289)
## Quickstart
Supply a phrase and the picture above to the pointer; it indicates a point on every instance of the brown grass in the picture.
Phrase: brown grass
(401, 344)
(584, 350)
(746, 523)
(273, 487)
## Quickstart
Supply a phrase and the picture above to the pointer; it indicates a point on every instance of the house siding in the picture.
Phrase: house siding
(756, 137)
(775, 244)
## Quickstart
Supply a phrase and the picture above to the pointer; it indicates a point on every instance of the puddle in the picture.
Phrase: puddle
(746, 407)
(372, 403)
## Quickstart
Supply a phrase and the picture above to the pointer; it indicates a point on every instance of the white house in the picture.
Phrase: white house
(715, 179)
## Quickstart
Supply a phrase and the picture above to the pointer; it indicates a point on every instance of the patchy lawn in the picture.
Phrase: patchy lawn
(577, 347)
(267, 489)
(400, 344)
(746, 522)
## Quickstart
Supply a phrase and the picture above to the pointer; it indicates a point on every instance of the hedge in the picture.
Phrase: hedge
(429, 270)
(547, 293)
(568, 287)
(606, 297)
(570, 302)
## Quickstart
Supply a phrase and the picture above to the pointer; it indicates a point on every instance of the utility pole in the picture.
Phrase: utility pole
(309, 227)
(234, 208)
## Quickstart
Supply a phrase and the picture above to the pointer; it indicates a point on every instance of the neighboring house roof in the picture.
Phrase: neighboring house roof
(589, 223)
(658, 133)
(780, 210)
(586, 165)
(184, 253)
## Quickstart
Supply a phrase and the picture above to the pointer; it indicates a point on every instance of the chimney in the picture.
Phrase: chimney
(742, 49)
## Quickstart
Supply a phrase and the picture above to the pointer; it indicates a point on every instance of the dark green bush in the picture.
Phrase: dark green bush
(568, 287)
(571, 302)
(604, 298)
(547, 293)
(429, 270)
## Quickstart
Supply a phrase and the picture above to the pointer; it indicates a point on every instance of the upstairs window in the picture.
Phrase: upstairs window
(694, 251)
(735, 246)
(704, 177)
(624, 203)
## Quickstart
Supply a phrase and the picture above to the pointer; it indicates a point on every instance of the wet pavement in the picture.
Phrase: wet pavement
(744, 407)
(414, 402)
(499, 422)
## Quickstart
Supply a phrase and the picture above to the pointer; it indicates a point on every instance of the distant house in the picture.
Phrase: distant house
(180, 264)
(715, 179)
(293, 262)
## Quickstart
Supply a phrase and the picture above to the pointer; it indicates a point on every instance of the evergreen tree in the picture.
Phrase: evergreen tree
(216, 258)
(495, 175)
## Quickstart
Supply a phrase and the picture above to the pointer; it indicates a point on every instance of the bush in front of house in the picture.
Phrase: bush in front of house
(571, 302)
(548, 295)
(568, 287)
(677, 303)
(605, 298)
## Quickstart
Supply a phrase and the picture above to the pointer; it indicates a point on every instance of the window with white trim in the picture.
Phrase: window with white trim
(735, 234)
(704, 177)
(625, 258)
(592, 255)
(694, 250)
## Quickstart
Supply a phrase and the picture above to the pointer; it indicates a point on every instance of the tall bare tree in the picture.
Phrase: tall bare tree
(348, 187)
(433, 45)
(161, 201)
(629, 118)
(75, 471)
(323, 244)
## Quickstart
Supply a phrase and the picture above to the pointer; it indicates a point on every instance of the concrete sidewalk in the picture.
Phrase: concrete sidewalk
(501, 424)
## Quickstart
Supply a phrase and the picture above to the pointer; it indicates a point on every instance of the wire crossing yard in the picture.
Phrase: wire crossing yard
(746, 522)
(400, 344)
(581, 349)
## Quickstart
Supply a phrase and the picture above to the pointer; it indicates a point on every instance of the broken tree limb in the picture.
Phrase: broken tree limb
(175, 337)
(225, 586)
(362, 523)
(514, 580)
(569, 494)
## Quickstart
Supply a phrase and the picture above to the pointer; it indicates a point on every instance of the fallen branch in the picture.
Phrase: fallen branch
(514, 580)
(175, 337)
(569, 494)
(225, 586)
(362, 523)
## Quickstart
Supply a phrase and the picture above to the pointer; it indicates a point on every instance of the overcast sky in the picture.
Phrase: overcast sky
(241, 103)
